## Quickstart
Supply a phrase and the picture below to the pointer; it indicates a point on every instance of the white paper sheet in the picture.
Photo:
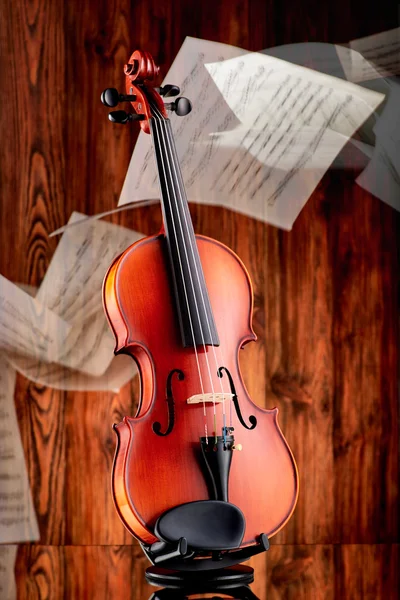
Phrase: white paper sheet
(27, 326)
(261, 134)
(8, 590)
(72, 288)
(387, 128)
(17, 517)
(356, 68)
(380, 56)
(121, 370)
(381, 178)
(97, 216)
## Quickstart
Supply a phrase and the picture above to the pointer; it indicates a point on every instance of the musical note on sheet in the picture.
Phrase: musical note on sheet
(378, 56)
(261, 134)
(72, 288)
(8, 589)
(27, 327)
(381, 176)
(17, 517)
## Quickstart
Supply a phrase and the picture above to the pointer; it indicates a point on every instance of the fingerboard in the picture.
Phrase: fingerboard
(195, 316)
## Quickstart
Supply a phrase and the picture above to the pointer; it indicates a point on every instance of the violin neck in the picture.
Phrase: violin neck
(194, 311)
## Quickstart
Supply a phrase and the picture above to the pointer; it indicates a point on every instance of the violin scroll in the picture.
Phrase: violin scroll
(141, 67)
(146, 100)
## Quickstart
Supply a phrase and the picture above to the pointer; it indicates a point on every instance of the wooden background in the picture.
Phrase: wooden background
(326, 302)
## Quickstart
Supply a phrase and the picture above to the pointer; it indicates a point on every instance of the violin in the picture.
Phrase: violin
(180, 304)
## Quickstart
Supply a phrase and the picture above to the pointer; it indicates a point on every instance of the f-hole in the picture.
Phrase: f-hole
(252, 418)
(170, 404)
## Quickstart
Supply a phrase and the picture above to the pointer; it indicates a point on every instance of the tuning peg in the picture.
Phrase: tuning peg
(122, 117)
(169, 90)
(111, 97)
(182, 106)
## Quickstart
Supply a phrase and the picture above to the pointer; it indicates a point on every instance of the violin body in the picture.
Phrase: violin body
(158, 463)
(201, 476)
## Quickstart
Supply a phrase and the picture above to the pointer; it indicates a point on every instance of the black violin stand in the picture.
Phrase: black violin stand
(198, 552)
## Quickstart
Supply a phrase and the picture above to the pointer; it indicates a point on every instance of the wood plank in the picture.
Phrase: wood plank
(365, 338)
(367, 571)
(297, 572)
(32, 169)
(32, 118)
(98, 43)
(299, 363)
(90, 514)
(321, 572)
(41, 414)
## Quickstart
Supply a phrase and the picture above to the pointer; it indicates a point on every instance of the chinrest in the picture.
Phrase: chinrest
(206, 525)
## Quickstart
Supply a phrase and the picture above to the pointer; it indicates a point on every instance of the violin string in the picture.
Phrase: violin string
(182, 191)
(162, 122)
(184, 284)
(171, 147)
(194, 296)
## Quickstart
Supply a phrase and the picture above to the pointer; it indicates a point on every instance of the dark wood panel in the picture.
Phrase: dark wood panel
(90, 516)
(365, 341)
(321, 572)
(326, 301)
(299, 317)
(41, 414)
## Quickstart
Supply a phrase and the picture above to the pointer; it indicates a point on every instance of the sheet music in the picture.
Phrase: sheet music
(72, 288)
(381, 178)
(27, 326)
(380, 56)
(8, 589)
(387, 128)
(121, 370)
(261, 135)
(297, 121)
(17, 517)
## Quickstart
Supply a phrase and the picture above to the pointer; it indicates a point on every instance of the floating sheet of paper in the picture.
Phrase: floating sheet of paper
(97, 216)
(387, 128)
(381, 178)
(17, 517)
(27, 326)
(8, 589)
(72, 289)
(261, 135)
(318, 56)
(301, 118)
(356, 68)
(381, 54)
(121, 370)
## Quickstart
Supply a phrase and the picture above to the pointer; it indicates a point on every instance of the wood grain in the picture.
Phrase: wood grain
(321, 572)
(365, 341)
(326, 302)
